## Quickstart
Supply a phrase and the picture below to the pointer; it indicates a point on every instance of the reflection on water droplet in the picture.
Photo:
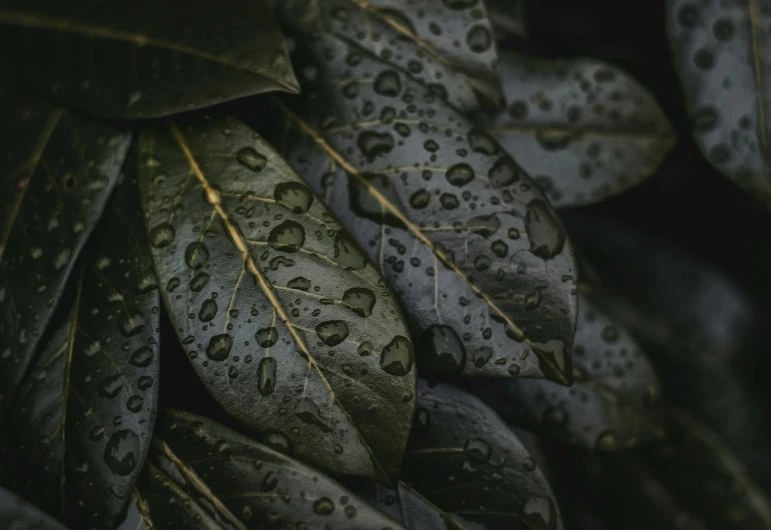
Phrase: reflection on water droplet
(460, 174)
(122, 452)
(293, 196)
(324, 506)
(482, 143)
(134, 404)
(289, 236)
(397, 357)
(332, 332)
(443, 349)
(420, 199)
(299, 283)
(359, 300)
(267, 375)
(162, 235)
(111, 386)
(373, 144)
(478, 450)
(208, 310)
(308, 412)
(544, 230)
(219, 347)
(196, 255)
(347, 253)
(479, 39)
(607, 441)
(276, 440)
(387, 83)
(142, 357)
(198, 282)
(251, 159)
(266, 337)
(539, 512)
(504, 172)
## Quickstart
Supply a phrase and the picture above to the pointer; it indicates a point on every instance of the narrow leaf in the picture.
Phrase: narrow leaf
(18, 514)
(273, 300)
(463, 458)
(56, 173)
(583, 129)
(245, 485)
(85, 416)
(145, 59)
(473, 249)
(607, 408)
(721, 53)
(447, 45)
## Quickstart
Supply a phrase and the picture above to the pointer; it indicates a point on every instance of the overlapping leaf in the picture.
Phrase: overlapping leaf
(447, 45)
(208, 475)
(608, 407)
(583, 129)
(463, 458)
(722, 51)
(285, 320)
(18, 514)
(56, 171)
(144, 59)
(85, 416)
(478, 257)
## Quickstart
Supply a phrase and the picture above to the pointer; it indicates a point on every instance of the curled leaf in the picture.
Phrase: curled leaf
(721, 53)
(446, 45)
(146, 59)
(56, 174)
(85, 414)
(464, 459)
(272, 299)
(608, 407)
(242, 484)
(478, 257)
(584, 130)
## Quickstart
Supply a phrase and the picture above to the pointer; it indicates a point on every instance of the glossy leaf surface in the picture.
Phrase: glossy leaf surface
(609, 405)
(473, 249)
(463, 458)
(15, 513)
(145, 59)
(722, 52)
(272, 299)
(246, 485)
(56, 171)
(85, 415)
(583, 129)
(447, 45)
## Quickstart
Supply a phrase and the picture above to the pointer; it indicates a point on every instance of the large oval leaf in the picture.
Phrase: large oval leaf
(144, 59)
(447, 45)
(721, 53)
(273, 300)
(57, 171)
(609, 405)
(583, 129)
(245, 485)
(478, 257)
(18, 514)
(85, 416)
(465, 459)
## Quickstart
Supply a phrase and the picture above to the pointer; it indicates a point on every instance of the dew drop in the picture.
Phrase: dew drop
(373, 144)
(208, 310)
(111, 386)
(219, 347)
(479, 39)
(162, 235)
(387, 83)
(324, 506)
(196, 255)
(308, 412)
(443, 349)
(332, 332)
(266, 337)
(544, 230)
(122, 452)
(142, 357)
(289, 236)
(359, 300)
(459, 174)
(478, 450)
(397, 357)
(420, 199)
(293, 196)
(267, 375)
(251, 159)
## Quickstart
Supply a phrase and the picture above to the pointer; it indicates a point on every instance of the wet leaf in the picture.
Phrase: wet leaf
(138, 515)
(476, 254)
(273, 300)
(583, 129)
(703, 333)
(411, 509)
(463, 458)
(145, 59)
(690, 480)
(15, 513)
(721, 52)
(447, 45)
(242, 484)
(57, 171)
(508, 18)
(85, 414)
(609, 405)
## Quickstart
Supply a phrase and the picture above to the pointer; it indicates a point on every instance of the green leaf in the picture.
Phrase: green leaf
(508, 18)
(145, 59)
(463, 458)
(608, 407)
(583, 129)
(473, 249)
(85, 415)
(18, 514)
(56, 173)
(243, 485)
(446, 45)
(411, 509)
(273, 300)
(720, 51)
(690, 480)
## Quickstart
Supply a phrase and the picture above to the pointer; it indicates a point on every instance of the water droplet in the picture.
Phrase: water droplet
(208, 310)
(332, 332)
(324, 506)
(198, 282)
(365, 348)
(443, 349)
(397, 357)
(359, 300)
(289, 236)
(266, 337)
(479, 39)
(121, 452)
(162, 235)
(484, 225)
(606, 441)
(308, 412)
(267, 375)
(269, 482)
(299, 283)
(277, 441)
(420, 199)
(610, 334)
(387, 83)
(449, 201)
(142, 357)
(499, 248)
(539, 512)
(251, 159)
(293, 196)
(459, 174)
(482, 143)
(196, 255)
(504, 172)
(482, 356)
(373, 144)
(146, 281)
(347, 253)
(173, 284)
(478, 450)
(219, 347)
(704, 59)
(134, 404)
(544, 230)
(111, 386)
